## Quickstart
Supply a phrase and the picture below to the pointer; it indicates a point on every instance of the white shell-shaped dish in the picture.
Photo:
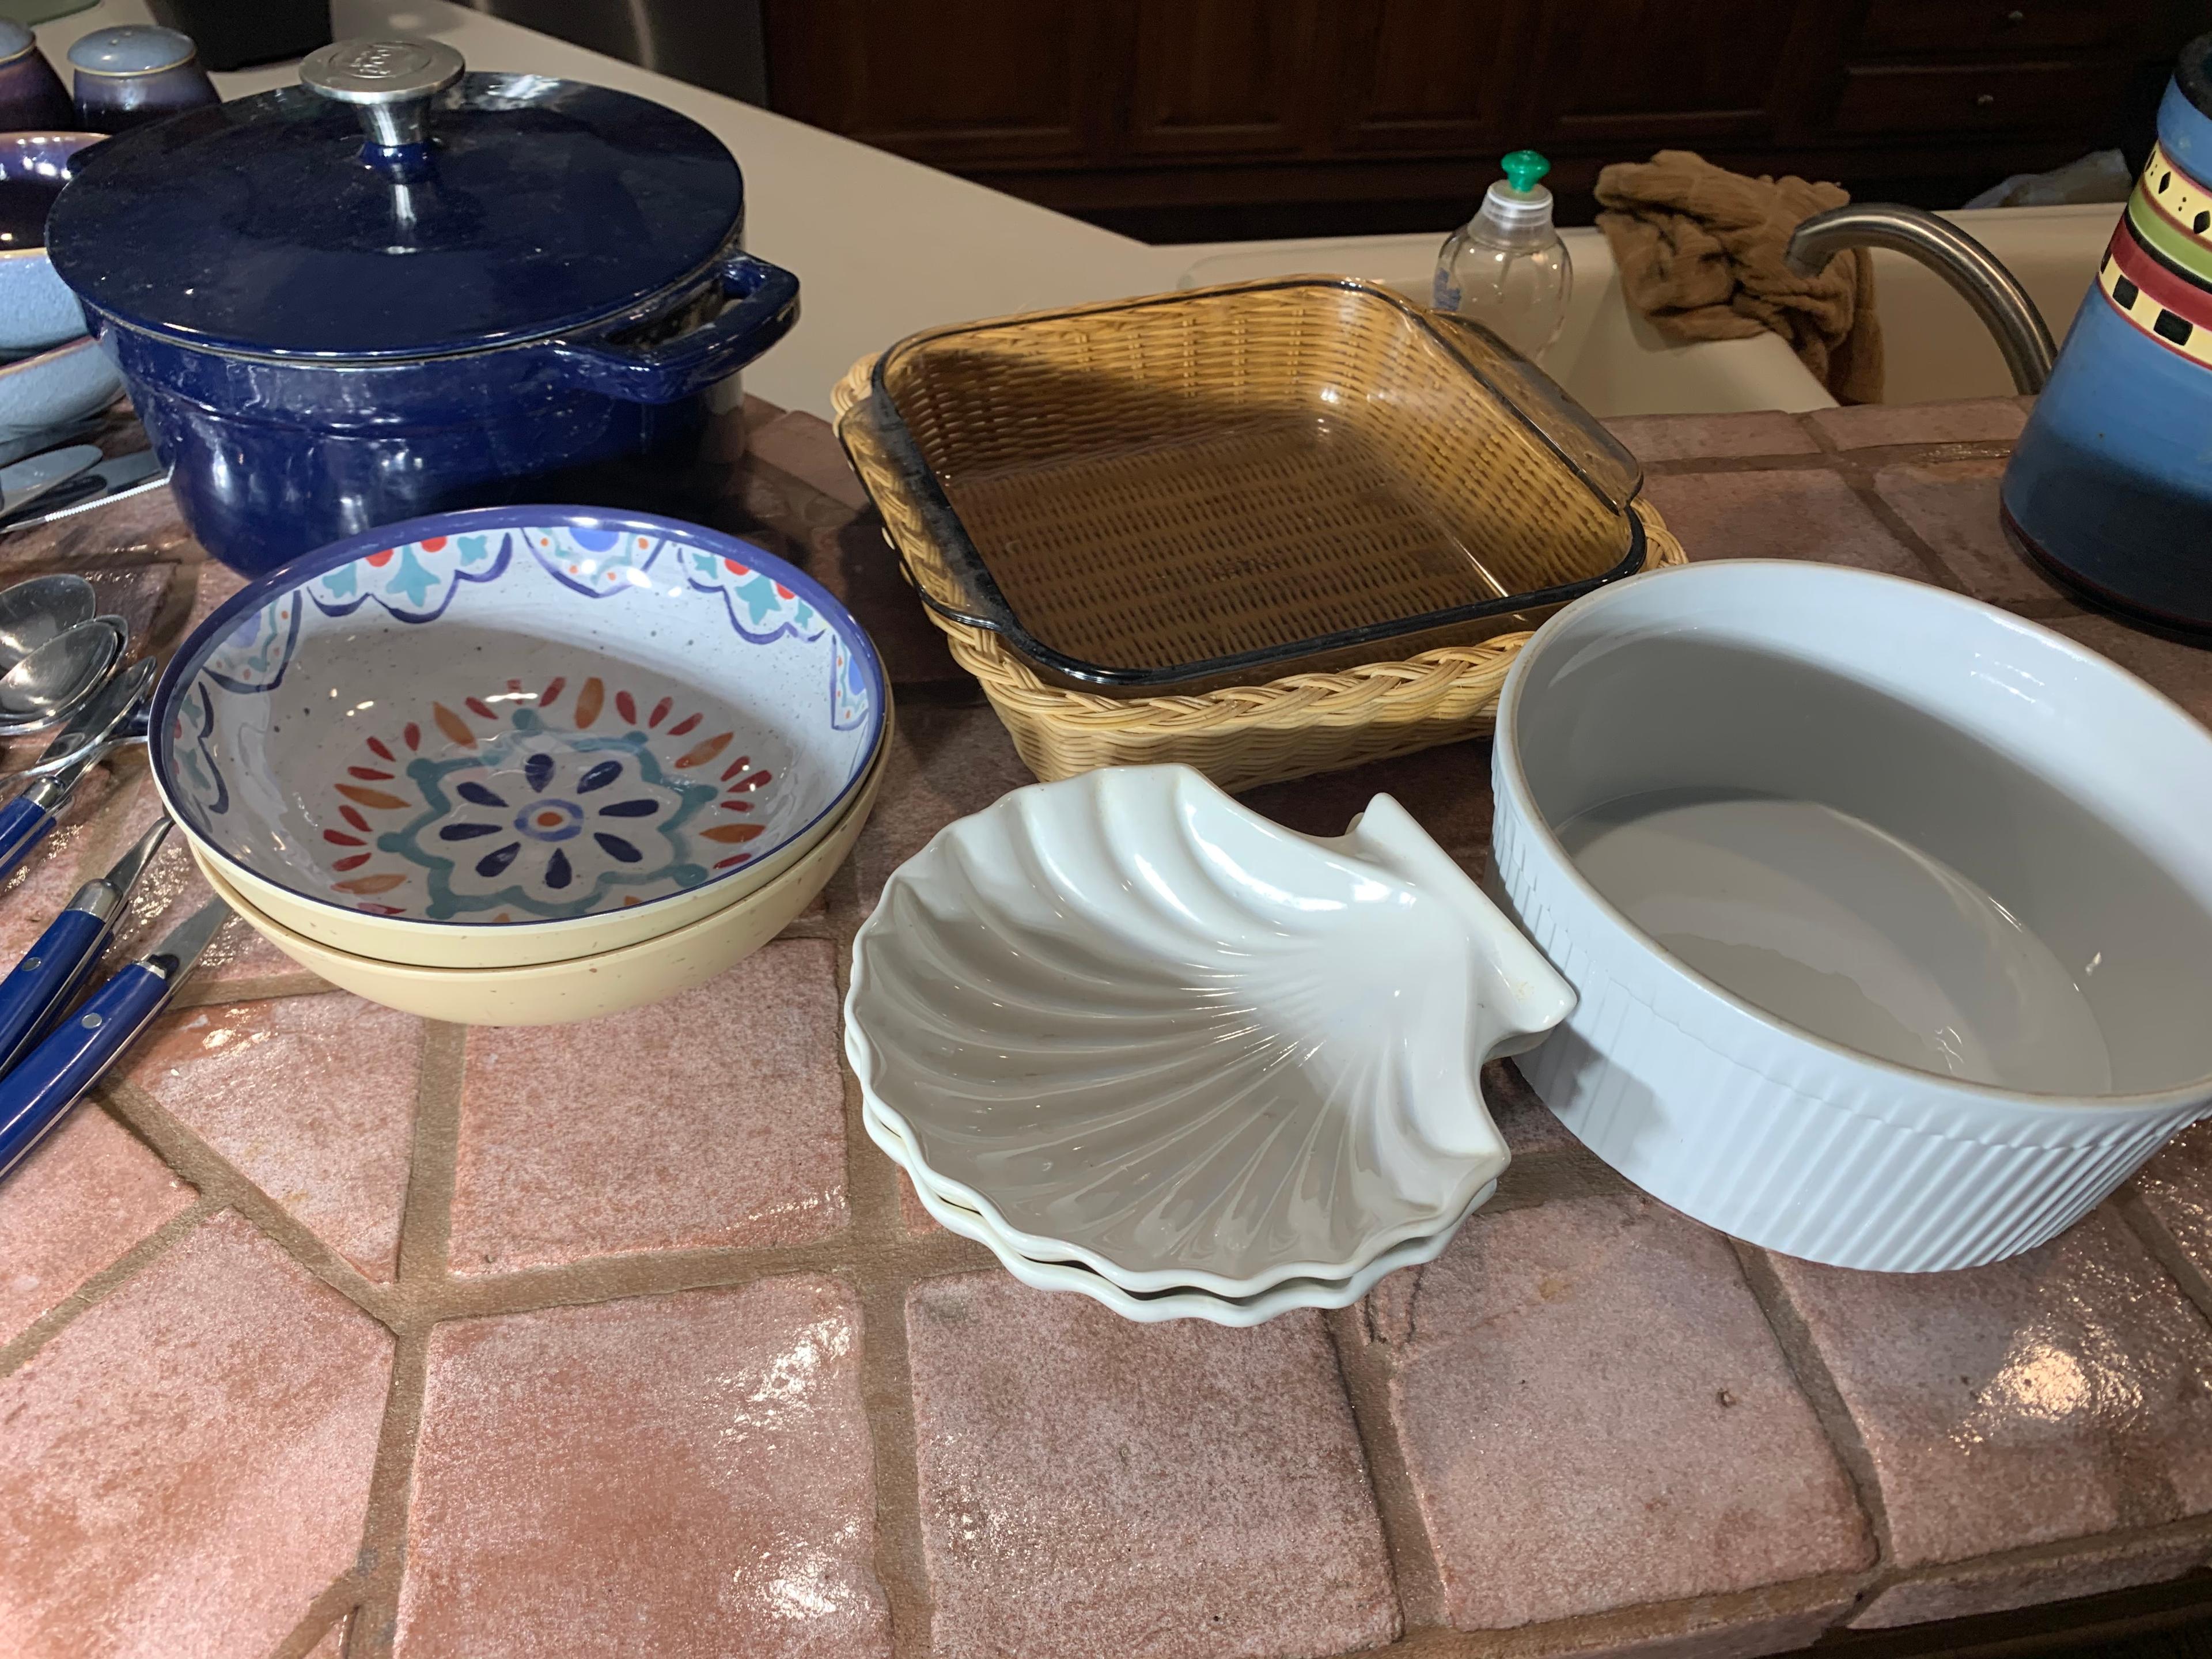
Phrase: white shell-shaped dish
(1156, 1307)
(1136, 1025)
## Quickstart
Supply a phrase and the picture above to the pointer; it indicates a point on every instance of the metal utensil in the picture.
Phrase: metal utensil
(57, 676)
(58, 960)
(24, 481)
(125, 475)
(32, 612)
(46, 1082)
(101, 724)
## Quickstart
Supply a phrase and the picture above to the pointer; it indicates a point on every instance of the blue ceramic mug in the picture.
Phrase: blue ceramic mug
(2110, 488)
(37, 309)
(32, 96)
(137, 73)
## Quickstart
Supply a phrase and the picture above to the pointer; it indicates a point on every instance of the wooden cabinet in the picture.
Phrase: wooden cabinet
(1223, 77)
(1201, 119)
(992, 82)
(1422, 77)
(1989, 27)
(1970, 99)
(1626, 70)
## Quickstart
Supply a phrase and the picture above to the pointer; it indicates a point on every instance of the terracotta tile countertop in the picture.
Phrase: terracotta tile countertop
(326, 1331)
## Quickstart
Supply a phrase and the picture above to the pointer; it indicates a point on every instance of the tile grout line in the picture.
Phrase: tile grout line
(192, 1159)
(876, 1217)
(1687, 1618)
(382, 1560)
(282, 987)
(2189, 1528)
(1704, 466)
(899, 1558)
(327, 1611)
(1818, 1387)
(1858, 478)
(424, 1227)
(25, 1345)
(1365, 1377)
(2165, 1249)
(221, 1186)
(664, 1273)
(1536, 1178)
(434, 1152)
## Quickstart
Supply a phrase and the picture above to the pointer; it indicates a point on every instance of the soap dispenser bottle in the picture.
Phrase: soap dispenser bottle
(1506, 268)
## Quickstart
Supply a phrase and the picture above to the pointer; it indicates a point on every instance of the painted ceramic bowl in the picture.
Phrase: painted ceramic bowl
(37, 309)
(582, 987)
(515, 734)
(55, 388)
(1137, 1026)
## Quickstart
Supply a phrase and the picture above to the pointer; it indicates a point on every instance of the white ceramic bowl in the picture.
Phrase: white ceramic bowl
(1136, 1025)
(515, 735)
(1890, 914)
(582, 987)
(1157, 1306)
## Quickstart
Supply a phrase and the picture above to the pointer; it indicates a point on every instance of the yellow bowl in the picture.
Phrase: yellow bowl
(514, 944)
(582, 987)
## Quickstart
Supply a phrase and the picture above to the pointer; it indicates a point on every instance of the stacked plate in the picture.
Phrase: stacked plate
(523, 764)
(1148, 1045)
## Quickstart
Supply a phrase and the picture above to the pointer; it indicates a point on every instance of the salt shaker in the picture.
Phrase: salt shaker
(137, 73)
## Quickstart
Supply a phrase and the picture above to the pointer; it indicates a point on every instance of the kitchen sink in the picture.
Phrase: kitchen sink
(1614, 362)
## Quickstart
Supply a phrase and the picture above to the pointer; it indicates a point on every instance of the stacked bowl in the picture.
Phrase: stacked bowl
(523, 765)
(52, 374)
(1151, 1048)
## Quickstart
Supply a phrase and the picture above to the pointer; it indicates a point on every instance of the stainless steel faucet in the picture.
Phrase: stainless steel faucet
(1996, 295)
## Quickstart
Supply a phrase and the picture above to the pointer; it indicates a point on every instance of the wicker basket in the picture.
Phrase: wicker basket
(1240, 736)
(1162, 496)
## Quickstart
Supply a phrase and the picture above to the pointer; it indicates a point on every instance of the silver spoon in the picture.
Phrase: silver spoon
(57, 675)
(35, 611)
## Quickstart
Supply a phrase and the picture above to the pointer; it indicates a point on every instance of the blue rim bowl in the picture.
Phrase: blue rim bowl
(469, 738)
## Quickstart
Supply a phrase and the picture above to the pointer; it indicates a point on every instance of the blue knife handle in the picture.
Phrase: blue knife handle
(49, 971)
(23, 824)
(46, 1083)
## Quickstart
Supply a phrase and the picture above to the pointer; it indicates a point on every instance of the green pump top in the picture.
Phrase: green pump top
(1523, 167)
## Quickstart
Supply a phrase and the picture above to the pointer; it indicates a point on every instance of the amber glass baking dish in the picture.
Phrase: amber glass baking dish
(1224, 486)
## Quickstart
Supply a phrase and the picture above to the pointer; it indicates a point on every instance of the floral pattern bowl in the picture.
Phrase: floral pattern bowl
(517, 734)
(581, 988)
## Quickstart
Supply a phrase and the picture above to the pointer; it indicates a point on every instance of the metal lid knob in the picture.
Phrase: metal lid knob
(391, 82)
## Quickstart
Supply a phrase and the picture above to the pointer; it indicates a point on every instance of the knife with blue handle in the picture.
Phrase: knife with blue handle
(47, 1081)
(54, 967)
(25, 820)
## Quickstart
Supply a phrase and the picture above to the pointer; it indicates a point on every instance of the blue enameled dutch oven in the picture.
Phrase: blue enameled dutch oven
(400, 290)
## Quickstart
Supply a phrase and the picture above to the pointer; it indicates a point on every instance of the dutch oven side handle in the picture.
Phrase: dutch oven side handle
(765, 304)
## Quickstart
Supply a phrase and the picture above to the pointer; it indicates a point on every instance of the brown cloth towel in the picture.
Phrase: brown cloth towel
(1701, 253)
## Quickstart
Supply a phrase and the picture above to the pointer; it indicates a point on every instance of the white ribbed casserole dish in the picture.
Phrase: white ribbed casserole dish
(1753, 1125)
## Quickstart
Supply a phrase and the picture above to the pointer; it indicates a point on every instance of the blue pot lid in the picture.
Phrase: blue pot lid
(268, 226)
